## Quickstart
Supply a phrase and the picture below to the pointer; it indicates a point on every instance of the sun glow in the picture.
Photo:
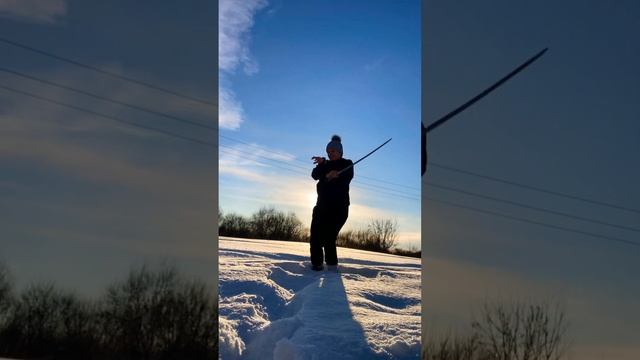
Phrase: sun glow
(311, 198)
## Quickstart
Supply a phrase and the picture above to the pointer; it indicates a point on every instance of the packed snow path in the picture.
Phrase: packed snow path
(273, 306)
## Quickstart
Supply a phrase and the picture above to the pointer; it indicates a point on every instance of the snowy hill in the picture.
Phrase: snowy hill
(273, 306)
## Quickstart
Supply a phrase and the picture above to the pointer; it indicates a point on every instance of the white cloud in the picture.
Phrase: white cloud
(235, 22)
(41, 11)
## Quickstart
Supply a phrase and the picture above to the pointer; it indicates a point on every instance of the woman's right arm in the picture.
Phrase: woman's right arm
(320, 170)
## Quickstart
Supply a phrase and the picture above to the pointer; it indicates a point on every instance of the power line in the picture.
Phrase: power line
(372, 187)
(149, 128)
(477, 195)
(233, 151)
(359, 182)
(105, 72)
(213, 145)
(599, 236)
(594, 221)
(118, 102)
(280, 165)
(300, 161)
(130, 123)
(413, 196)
(213, 128)
(535, 188)
(266, 158)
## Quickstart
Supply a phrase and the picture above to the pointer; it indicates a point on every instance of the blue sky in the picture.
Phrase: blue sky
(293, 74)
(568, 123)
(85, 198)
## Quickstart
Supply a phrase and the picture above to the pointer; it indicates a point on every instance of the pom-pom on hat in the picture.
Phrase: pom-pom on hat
(335, 143)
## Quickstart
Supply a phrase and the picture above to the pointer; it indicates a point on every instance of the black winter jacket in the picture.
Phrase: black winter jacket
(334, 193)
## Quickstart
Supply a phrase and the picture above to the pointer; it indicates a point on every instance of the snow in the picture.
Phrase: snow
(273, 306)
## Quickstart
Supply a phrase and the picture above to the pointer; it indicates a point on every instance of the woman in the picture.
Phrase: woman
(332, 207)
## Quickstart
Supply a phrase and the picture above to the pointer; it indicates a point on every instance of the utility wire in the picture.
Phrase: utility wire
(594, 221)
(105, 72)
(118, 102)
(214, 128)
(198, 141)
(191, 98)
(171, 134)
(280, 164)
(300, 161)
(413, 196)
(175, 93)
(551, 192)
(149, 128)
(305, 168)
(306, 172)
(130, 123)
(599, 236)
(403, 194)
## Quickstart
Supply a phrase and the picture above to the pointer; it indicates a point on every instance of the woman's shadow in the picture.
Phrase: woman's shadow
(317, 324)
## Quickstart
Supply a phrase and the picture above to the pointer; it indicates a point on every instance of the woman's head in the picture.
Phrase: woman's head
(334, 148)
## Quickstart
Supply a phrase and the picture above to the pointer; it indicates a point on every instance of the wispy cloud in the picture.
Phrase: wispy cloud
(230, 114)
(251, 162)
(253, 154)
(377, 63)
(235, 22)
(39, 11)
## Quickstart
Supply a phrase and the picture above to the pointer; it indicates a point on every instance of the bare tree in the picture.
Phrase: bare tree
(452, 347)
(521, 332)
(5, 287)
(506, 332)
(384, 233)
(6, 298)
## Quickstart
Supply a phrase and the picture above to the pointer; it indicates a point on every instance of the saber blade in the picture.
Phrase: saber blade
(485, 92)
(362, 158)
(462, 107)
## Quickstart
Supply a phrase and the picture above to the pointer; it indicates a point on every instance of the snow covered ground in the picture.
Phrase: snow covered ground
(273, 306)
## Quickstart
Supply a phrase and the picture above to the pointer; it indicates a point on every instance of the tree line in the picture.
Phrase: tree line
(380, 235)
(149, 315)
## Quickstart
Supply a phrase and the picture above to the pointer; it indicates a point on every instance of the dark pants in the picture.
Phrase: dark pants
(325, 226)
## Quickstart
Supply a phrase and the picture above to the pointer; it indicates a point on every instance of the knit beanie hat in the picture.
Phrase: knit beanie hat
(335, 143)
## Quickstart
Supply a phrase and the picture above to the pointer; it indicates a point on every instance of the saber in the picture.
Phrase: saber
(362, 158)
(462, 107)
(485, 92)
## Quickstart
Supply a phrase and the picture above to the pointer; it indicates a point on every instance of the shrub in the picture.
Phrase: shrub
(153, 315)
(380, 235)
(150, 315)
(234, 225)
(45, 320)
(268, 223)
